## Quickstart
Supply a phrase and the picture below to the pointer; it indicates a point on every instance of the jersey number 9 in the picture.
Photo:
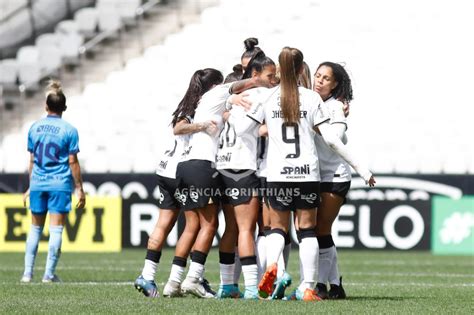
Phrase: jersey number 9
(295, 140)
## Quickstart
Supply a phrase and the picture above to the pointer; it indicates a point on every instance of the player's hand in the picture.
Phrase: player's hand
(26, 194)
(210, 127)
(371, 181)
(241, 100)
(226, 115)
(263, 131)
(81, 198)
(346, 108)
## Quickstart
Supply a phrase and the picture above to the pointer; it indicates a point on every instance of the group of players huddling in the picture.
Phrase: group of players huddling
(260, 145)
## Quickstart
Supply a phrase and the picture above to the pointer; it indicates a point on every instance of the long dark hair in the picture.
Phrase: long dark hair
(343, 90)
(201, 82)
(257, 63)
(291, 61)
(235, 75)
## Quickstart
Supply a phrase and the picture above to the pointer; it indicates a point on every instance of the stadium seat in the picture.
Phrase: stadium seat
(66, 27)
(8, 72)
(128, 10)
(87, 19)
(29, 66)
(108, 16)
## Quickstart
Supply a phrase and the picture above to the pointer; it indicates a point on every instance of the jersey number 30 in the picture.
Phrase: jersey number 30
(295, 140)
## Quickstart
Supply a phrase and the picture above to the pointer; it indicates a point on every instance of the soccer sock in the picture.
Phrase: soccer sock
(54, 251)
(32, 247)
(177, 269)
(287, 249)
(250, 270)
(261, 252)
(227, 267)
(325, 257)
(275, 245)
(151, 262)
(309, 258)
(238, 266)
(334, 271)
(196, 268)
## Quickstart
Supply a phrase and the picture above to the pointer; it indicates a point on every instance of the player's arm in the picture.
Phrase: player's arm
(335, 143)
(76, 175)
(184, 127)
(26, 194)
(243, 85)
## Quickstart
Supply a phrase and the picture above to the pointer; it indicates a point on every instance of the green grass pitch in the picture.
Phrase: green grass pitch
(375, 282)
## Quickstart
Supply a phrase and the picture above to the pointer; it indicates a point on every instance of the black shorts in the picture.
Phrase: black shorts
(286, 196)
(199, 184)
(169, 197)
(340, 189)
(239, 189)
(262, 195)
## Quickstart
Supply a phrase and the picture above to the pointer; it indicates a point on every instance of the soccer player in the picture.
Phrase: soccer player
(237, 163)
(54, 173)
(169, 200)
(292, 114)
(201, 183)
(251, 49)
(333, 84)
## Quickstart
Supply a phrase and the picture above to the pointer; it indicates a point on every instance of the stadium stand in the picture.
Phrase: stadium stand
(391, 123)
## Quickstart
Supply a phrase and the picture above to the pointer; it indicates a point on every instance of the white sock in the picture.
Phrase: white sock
(196, 270)
(149, 270)
(238, 267)
(227, 274)
(281, 266)
(275, 245)
(309, 247)
(334, 270)
(261, 253)
(286, 254)
(176, 273)
(325, 261)
(250, 275)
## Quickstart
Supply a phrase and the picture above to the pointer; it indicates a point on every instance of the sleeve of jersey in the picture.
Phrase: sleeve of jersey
(337, 146)
(241, 122)
(337, 114)
(74, 142)
(31, 145)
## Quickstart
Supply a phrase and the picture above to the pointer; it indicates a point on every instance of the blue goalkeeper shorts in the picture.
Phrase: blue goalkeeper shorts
(52, 201)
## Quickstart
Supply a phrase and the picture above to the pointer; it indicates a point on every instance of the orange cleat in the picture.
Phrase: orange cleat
(265, 287)
(311, 295)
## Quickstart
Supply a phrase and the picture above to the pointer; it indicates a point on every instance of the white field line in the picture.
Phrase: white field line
(356, 273)
(358, 284)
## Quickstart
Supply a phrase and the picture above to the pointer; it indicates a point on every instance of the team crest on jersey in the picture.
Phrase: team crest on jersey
(311, 198)
(285, 200)
(163, 164)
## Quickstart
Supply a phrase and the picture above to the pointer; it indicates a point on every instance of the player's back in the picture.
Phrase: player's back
(52, 140)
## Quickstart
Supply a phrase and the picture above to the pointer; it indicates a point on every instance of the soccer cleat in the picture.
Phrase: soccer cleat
(281, 285)
(26, 278)
(228, 291)
(207, 286)
(193, 286)
(291, 297)
(265, 287)
(51, 279)
(307, 295)
(322, 291)
(172, 289)
(337, 291)
(147, 287)
(251, 293)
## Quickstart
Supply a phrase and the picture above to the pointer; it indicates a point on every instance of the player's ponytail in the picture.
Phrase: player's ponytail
(343, 89)
(55, 98)
(201, 82)
(291, 61)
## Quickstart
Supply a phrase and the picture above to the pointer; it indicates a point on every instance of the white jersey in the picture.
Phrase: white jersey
(174, 153)
(332, 167)
(262, 149)
(203, 146)
(291, 148)
(238, 152)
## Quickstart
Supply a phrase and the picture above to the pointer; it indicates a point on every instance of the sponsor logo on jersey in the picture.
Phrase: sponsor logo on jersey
(224, 157)
(163, 164)
(311, 198)
(296, 170)
(48, 129)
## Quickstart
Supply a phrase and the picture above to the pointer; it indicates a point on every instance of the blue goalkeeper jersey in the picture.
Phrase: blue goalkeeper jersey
(52, 140)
